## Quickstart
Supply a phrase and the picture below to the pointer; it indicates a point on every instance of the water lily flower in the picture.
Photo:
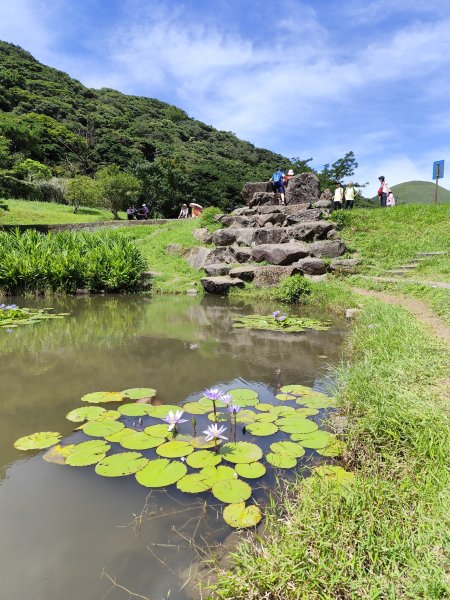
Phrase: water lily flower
(214, 432)
(213, 394)
(173, 419)
(282, 318)
(226, 399)
(275, 314)
(233, 409)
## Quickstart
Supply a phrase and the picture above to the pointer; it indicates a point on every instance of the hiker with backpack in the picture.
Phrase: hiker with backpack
(277, 181)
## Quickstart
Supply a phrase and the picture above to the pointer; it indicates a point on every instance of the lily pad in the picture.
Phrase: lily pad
(268, 417)
(139, 393)
(335, 448)
(283, 411)
(194, 483)
(220, 417)
(231, 491)
(196, 408)
(240, 452)
(252, 470)
(215, 474)
(162, 410)
(200, 442)
(88, 453)
(161, 472)
(244, 397)
(95, 429)
(203, 458)
(245, 416)
(296, 424)
(107, 415)
(286, 397)
(174, 449)
(307, 412)
(302, 390)
(101, 397)
(119, 465)
(209, 403)
(264, 407)
(134, 409)
(282, 461)
(319, 402)
(241, 516)
(160, 430)
(84, 413)
(262, 429)
(316, 440)
(288, 448)
(116, 437)
(38, 441)
(58, 454)
(139, 440)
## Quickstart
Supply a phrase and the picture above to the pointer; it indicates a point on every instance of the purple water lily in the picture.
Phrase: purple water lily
(173, 419)
(233, 409)
(226, 399)
(275, 314)
(213, 394)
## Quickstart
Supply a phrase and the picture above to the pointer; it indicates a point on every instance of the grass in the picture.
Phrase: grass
(385, 536)
(419, 192)
(387, 238)
(27, 212)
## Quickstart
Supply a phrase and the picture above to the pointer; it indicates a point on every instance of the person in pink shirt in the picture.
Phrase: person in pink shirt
(383, 190)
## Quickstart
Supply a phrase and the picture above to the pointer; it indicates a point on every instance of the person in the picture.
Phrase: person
(288, 177)
(196, 211)
(142, 213)
(277, 181)
(349, 195)
(390, 200)
(338, 197)
(130, 213)
(383, 190)
(184, 212)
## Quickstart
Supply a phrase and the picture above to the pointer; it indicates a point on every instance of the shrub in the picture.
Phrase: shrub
(293, 289)
(207, 217)
(82, 191)
(53, 190)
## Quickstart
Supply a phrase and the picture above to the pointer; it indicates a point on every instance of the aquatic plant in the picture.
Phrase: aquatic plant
(278, 321)
(173, 419)
(11, 315)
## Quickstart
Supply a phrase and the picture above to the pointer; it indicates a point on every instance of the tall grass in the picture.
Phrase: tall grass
(63, 262)
(385, 536)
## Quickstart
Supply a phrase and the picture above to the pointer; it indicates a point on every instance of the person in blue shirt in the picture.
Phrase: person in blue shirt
(277, 181)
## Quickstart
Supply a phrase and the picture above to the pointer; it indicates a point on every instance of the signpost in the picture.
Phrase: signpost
(438, 173)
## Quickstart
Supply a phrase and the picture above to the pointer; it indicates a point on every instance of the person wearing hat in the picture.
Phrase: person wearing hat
(288, 177)
(349, 195)
(383, 190)
(277, 181)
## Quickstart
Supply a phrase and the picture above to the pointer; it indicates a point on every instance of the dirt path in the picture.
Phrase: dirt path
(418, 308)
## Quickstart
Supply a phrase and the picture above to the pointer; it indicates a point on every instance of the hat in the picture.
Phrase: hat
(290, 172)
(381, 177)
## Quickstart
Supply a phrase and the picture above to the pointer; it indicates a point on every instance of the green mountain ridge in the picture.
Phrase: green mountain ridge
(418, 192)
(47, 116)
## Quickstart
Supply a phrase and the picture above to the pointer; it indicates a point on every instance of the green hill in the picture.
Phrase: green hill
(47, 116)
(418, 192)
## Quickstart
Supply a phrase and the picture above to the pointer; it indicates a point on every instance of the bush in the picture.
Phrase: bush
(207, 217)
(82, 191)
(53, 190)
(293, 289)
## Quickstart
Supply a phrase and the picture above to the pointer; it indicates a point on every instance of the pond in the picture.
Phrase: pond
(67, 531)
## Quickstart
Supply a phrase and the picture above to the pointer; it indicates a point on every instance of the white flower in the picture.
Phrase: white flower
(174, 418)
(215, 432)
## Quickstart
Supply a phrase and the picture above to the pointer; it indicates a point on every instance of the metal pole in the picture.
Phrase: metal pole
(436, 188)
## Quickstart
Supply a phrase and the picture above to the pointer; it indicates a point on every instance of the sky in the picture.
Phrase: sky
(313, 78)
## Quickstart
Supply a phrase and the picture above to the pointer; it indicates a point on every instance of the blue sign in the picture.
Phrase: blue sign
(438, 169)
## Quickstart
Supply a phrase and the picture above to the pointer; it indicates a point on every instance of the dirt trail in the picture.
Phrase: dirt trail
(418, 308)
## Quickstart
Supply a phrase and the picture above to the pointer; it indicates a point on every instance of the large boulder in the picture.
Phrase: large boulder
(309, 230)
(251, 187)
(270, 236)
(311, 266)
(217, 269)
(272, 218)
(221, 254)
(198, 257)
(220, 285)
(271, 276)
(280, 254)
(241, 253)
(268, 209)
(202, 235)
(259, 198)
(246, 273)
(327, 248)
(311, 214)
(224, 237)
(234, 221)
(344, 265)
(323, 204)
(303, 188)
(327, 195)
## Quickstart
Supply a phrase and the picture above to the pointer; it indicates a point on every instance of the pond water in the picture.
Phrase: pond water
(65, 530)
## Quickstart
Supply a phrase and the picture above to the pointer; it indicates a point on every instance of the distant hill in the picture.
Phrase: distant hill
(418, 192)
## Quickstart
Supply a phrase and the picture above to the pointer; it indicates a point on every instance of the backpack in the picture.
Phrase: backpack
(278, 176)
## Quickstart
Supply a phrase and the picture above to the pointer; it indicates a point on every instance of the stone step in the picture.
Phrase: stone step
(220, 285)
(408, 266)
(431, 253)
(396, 272)
(246, 236)
(264, 276)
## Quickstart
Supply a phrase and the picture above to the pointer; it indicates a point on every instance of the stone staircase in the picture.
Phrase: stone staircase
(293, 239)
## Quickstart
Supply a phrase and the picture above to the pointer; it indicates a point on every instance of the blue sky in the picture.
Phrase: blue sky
(303, 78)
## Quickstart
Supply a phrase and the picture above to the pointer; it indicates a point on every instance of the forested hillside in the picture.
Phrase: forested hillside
(53, 128)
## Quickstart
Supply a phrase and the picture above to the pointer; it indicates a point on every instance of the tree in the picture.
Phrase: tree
(117, 189)
(82, 191)
(343, 167)
(32, 170)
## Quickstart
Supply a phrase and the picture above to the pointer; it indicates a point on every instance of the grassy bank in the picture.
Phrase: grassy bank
(383, 537)
(26, 212)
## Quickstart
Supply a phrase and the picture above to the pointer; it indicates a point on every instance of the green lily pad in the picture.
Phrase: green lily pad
(95, 429)
(162, 410)
(200, 442)
(264, 407)
(58, 454)
(215, 474)
(38, 441)
(289, 448)
(244, 397)
(240, 452)
(231, 491)
(268, 417)
(316, 440)
(333, 472)
(296, 424)
(219, 417)
(101, 397)
(84, 413)
(139, 393)
(88, 453)
(240, 516)
(283, 411)
(107, 415)
(134, 409)
(161, 472)
(286, 397)
(174, 449)
(196, 408)
(116, 437)
(319, 402)
(139, 440)
(296, 389)
(209, 403)
(252, 470)
(245, 416)
(159, 431)
(118, 465)
(262, 429)
(203, 458)
(307, 412)
(282, 461)
(194, 483)
(335, 448)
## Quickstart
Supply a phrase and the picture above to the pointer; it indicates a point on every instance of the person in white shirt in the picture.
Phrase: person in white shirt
(338, 197)
(383, 190)
(349, 195)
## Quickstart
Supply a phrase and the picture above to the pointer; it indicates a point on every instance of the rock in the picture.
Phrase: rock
(303, 188)
(198, 257)
(271, 218)
(311, 266)
(217, 269)
(327, 195)
(245, 273)
(259, 198)
(224, 237)
(241, 253)
(323, 204)
(239, 211)
(269, 225)
(316, 278)
(352, 313)
(332, 235)
(271, 276)
(244, 237)
(175, 249)
(295, 208)
(82, 292)
(192, 292)
(270, 236)
(309, 230)
(235, 221)
(266, 210)
(220, 285)
(327, 248)
(344, 265)
(202, 235)
(251, 187)
(311, 214)
(221, 254)
(280, 254)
